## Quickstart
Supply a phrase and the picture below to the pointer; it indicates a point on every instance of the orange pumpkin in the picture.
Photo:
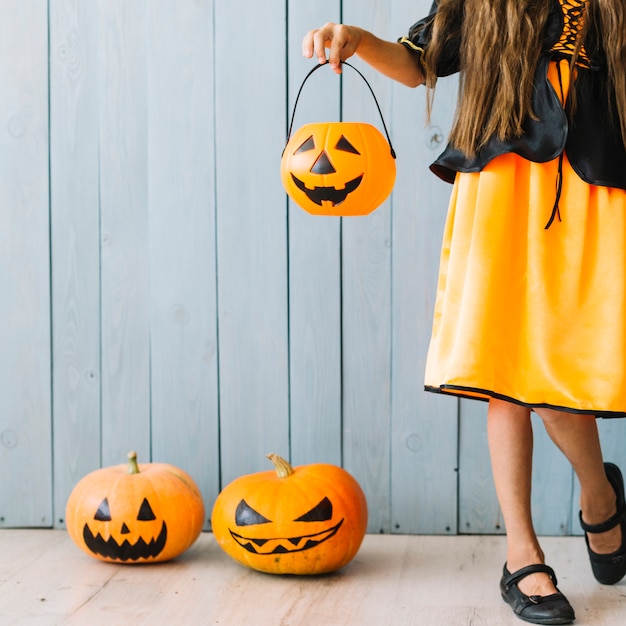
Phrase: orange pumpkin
(307, 520)
(338, 168)
(135, 513)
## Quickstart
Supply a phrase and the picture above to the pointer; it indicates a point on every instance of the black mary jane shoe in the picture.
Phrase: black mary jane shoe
(609, 569)
(552, 609)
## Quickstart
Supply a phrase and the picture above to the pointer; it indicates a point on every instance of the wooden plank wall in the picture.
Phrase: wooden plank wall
(25, 364)
(158, 292)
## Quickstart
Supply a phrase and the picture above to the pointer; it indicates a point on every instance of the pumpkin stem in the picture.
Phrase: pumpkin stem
(133, 467)
(283, 468)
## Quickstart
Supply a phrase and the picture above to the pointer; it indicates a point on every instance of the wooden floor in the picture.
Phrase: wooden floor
(394, 580)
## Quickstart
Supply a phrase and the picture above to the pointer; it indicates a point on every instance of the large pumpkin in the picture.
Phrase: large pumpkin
(307, 520)
(338, 168)
(135, 513)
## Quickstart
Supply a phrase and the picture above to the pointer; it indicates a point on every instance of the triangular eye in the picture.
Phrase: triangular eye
(309, 144)
(245, 515)
(103, 514)
(320, 513)
(145, 512)
(345, 146)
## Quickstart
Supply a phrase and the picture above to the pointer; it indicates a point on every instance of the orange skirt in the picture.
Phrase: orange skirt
(527, 314)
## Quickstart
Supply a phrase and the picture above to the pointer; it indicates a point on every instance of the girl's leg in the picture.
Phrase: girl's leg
(577, 437)
(511, 444)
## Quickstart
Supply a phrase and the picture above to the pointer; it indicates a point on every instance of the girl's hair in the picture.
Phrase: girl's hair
(500, 46)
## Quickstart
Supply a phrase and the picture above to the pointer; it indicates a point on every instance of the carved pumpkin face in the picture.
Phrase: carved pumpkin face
(338, 168)
(133, 514)
(307, 520)
(141, 536)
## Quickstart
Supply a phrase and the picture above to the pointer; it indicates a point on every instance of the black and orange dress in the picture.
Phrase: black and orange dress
(531, 298)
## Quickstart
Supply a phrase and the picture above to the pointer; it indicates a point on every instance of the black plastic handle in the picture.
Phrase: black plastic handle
(317, 67)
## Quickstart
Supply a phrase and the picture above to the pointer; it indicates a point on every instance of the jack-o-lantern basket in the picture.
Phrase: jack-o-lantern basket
(338, 168)
(306, 520)
(135, 513)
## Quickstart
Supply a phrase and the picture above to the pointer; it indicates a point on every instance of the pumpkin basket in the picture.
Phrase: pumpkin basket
(338, 168)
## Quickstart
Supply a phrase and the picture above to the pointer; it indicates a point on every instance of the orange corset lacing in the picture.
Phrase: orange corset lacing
(574, 21)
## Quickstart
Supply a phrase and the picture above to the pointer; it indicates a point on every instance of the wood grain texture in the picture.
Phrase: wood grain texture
(393, 580)
(183, 277)
(314, 268)
(366, 303)
(196, 315)
(250, 104)
(478, 506)
(25, 364)
(75, 244)
(424, 426)
(124, 220)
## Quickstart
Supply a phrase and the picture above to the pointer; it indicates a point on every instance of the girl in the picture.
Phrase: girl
(532, 285)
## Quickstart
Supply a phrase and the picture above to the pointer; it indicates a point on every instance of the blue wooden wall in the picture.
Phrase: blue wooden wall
(158, 292)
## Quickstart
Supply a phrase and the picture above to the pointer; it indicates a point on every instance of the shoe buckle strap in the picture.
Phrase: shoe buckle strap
(603, 527)
(538, 568)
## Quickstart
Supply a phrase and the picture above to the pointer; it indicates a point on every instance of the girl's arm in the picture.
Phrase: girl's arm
(390, 58)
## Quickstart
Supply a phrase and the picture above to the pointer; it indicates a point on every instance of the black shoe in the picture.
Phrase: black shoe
(609, 568)
(552, 609)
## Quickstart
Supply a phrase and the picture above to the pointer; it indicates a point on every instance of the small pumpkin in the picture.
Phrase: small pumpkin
(338, 168)
(135, 513)
(305, 520)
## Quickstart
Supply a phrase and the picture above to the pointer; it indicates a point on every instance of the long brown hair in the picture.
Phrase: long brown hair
(500, 46)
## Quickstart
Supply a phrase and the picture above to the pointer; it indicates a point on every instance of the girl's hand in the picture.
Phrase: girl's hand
(388, 57)
(342, 41)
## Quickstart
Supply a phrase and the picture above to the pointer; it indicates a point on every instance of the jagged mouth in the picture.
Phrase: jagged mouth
(328, 194)
(109, 548)
(284, 545)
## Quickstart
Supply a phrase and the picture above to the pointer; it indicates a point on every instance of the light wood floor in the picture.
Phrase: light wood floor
(394, 580)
